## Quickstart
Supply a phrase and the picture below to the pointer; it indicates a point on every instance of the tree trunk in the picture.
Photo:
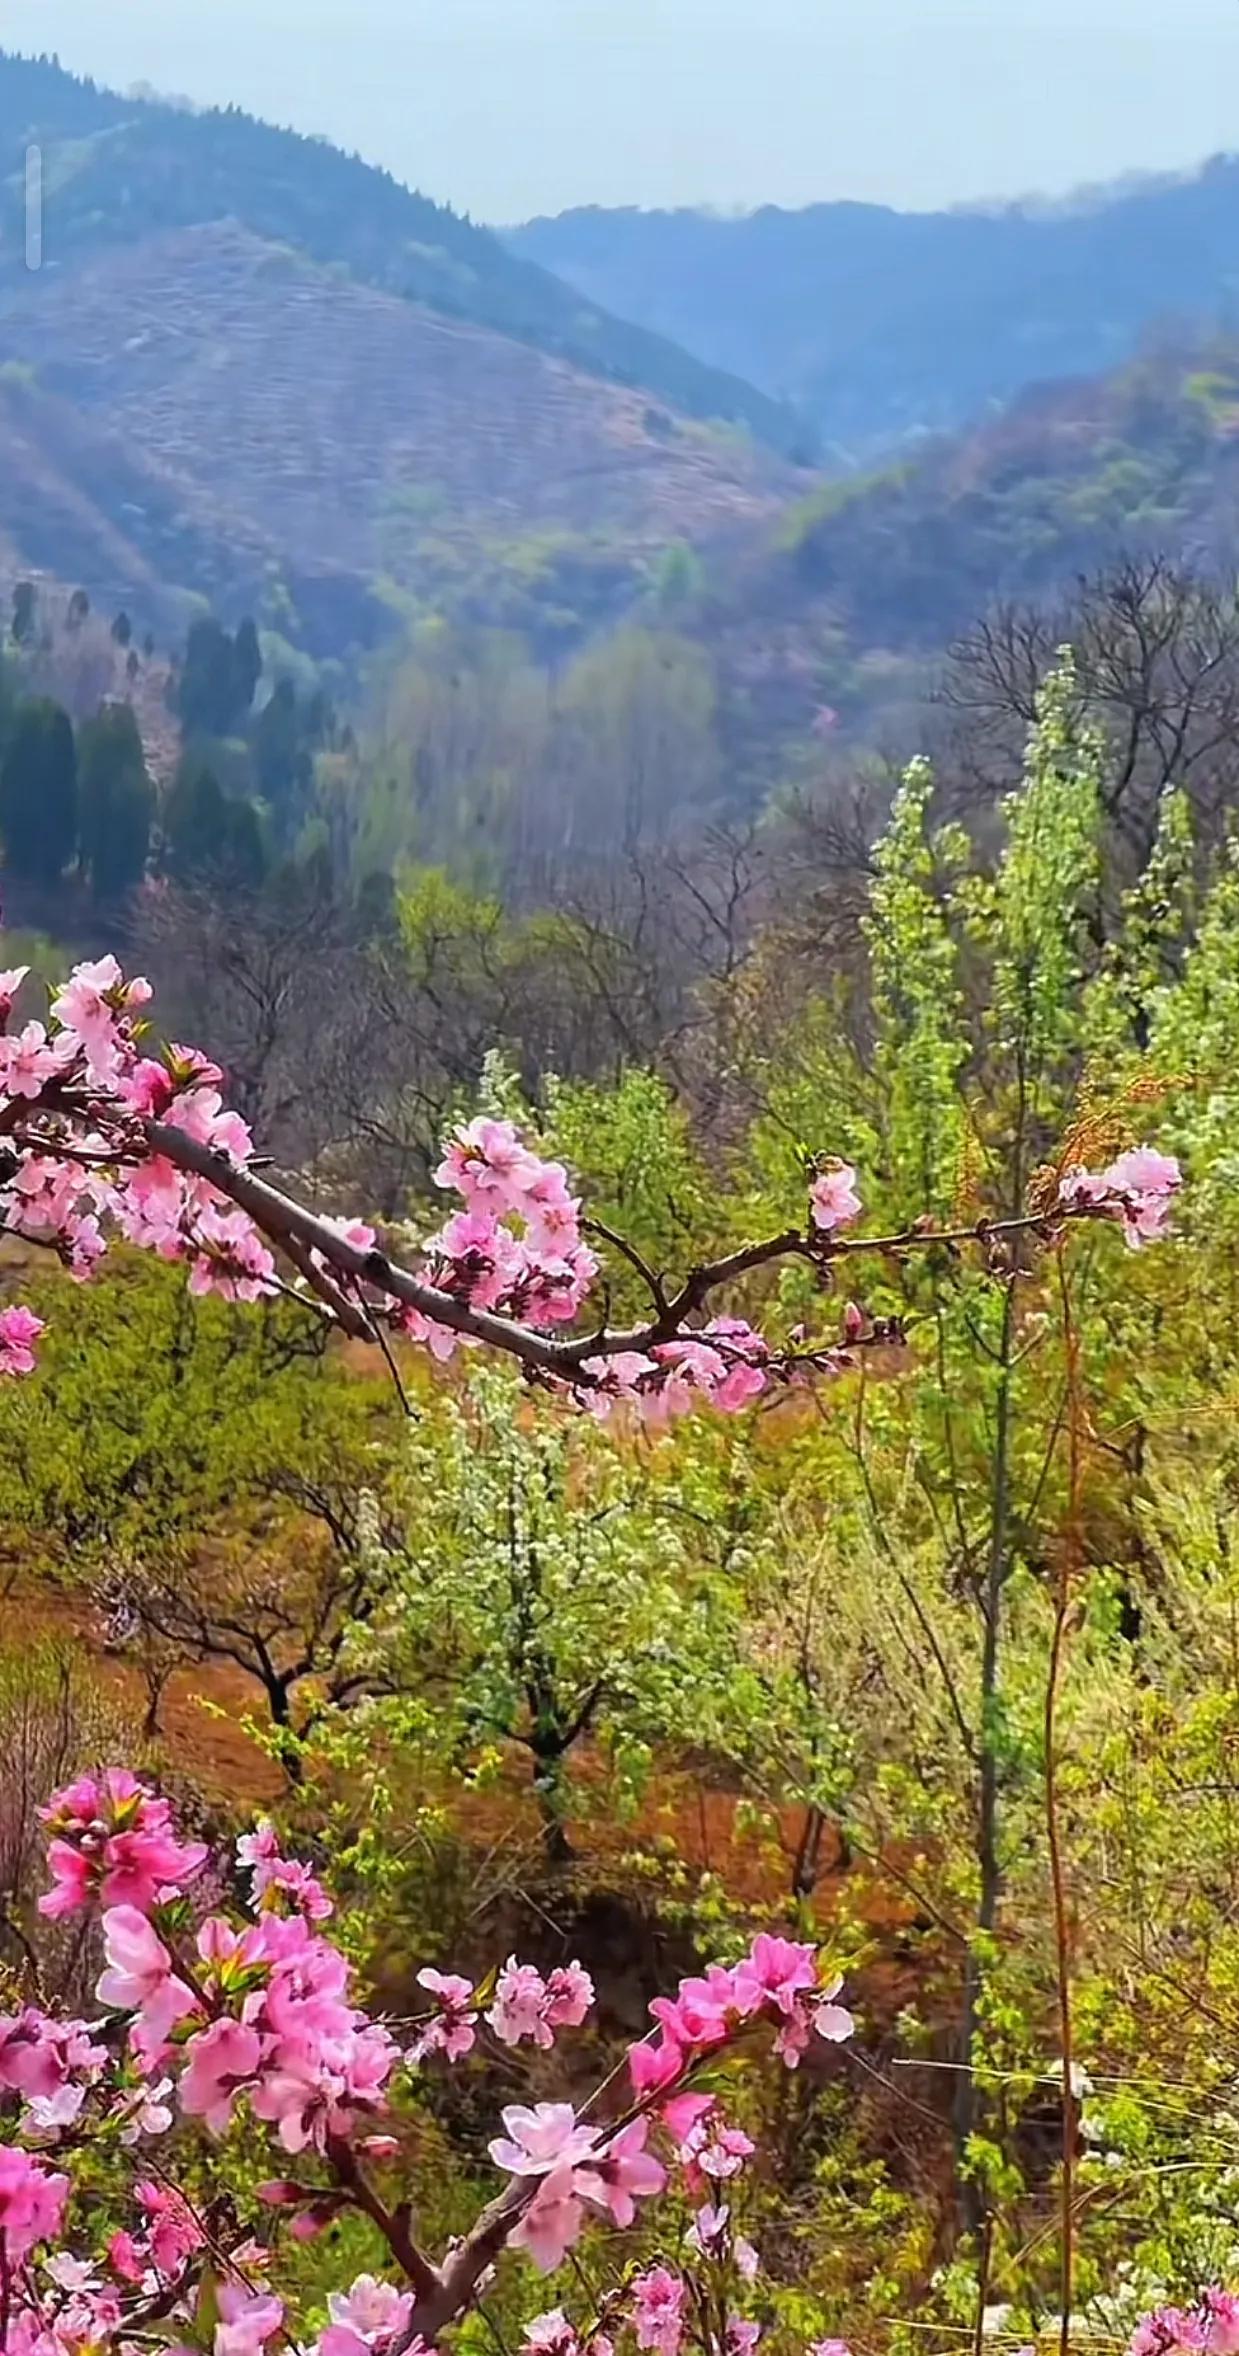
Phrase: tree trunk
(548, 1784)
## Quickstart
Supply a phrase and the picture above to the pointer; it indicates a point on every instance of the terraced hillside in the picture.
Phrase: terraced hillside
(118, 169)
(206, 411)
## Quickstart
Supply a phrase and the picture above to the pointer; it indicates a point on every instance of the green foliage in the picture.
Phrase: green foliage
(210, 836)
(117, 801)
(640, 1169)
(826, 1627)
(39, 792)
(217, 680)
(917, 1005)
(543, 1592)
(100, 1468)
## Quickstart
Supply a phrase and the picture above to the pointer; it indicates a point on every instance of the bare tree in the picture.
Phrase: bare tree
(1157, 661)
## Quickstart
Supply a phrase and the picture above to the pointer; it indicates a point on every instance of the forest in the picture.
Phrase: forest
(619, 1407)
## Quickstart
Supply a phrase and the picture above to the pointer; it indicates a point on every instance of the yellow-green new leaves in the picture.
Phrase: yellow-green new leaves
(921, 1046)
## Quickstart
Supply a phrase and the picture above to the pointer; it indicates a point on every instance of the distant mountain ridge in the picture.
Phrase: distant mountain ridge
(884, 325)
(118, 168)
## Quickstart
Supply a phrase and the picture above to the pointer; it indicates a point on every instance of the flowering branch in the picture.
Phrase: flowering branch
(101, 1136)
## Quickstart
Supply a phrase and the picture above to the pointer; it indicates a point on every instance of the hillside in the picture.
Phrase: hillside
(883, 325)
(847, 607)
(269, 435)
(118, 170)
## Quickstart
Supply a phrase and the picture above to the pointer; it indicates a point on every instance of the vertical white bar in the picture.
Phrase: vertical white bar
(34, 208)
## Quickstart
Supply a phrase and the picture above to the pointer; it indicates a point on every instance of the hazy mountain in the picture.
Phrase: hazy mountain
(254, 369)
(883, 324)
(120, 168)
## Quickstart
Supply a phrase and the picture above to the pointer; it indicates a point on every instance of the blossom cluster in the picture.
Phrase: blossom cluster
(1138, 1191)
(113, 1842)
(210, 2015)
(1210, 2328)
(76, 1095)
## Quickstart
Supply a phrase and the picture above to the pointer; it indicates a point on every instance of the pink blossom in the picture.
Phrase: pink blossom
(248, 2320)
(1221, 2310)
(222, 2060)
(745, 1357)
(1210, 2328)
(518, 2009)
(31, 2053)
(29, 1060)
(622, 1376)
(10, 983)
(550, 2335)
(366, 2316)
(227, 1256)
(830, 2020)
(140, 1976)
(540, 2139)
(258, 1849)
(317, 2080)
(1138, 1190)
(48, 2113)
(19, 1331)
(715, 2150)
(275, 1876)
(775, 1971)
(70, 2274)
(684, 2112)
(32, 2203)
(486, 1161)
(655, 2063)
(552, 2223)
(833, 1197)
(452, 2032)
(569, 1995)
(711, 2235)
(818, 2015)
(1146, 1183)
(147, 1088)
(95, 997)
(698, 2014)
(658, 2310)
(114, 1840)
(172, 2232)
(622, 2174)
(146, 2111)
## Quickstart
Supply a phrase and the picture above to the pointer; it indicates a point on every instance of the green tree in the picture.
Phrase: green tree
(216, 686)
(38, 792)
(543, 1593)
(117, 801)
(214, 1514)
(211, 837)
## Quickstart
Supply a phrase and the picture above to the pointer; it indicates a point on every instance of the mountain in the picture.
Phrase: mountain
(117, 170)
(883, 325)
(836, 620)
(206, 392)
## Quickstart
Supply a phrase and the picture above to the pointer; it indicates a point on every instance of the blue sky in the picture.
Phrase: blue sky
(509, 107)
